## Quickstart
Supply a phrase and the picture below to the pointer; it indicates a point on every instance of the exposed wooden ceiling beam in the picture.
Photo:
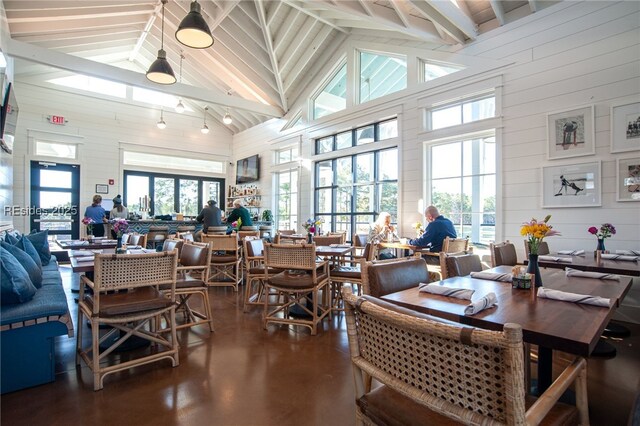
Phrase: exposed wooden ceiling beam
(299, 6)
(448, 15)
(272, 54)
(498, 10)
(79, 65)
(145, 31)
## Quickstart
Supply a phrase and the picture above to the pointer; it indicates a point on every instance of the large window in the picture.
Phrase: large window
(287, 199)
(333, 96)
(463, 185)
(351, 191)
(381, 75)
(433, 70)
(462, 112)
(171, 193)
(360, 136)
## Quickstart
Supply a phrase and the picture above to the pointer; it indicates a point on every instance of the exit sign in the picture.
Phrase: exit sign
(57, 119)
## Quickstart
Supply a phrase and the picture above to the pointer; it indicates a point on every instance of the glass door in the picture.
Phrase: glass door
(55, 196)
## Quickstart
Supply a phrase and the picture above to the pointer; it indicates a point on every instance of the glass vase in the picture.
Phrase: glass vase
(601, 245)
(534, 269)
(310, 238)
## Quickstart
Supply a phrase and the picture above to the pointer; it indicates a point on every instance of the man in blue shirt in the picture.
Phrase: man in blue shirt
(438, 229)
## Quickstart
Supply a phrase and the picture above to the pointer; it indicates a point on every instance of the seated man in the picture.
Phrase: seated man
(438, 229)
(209, 216)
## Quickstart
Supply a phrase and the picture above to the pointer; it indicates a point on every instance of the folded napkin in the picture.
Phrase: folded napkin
(85, 259)
(555, 259)
(81, 253)
(339, 245)
(629, 252)
(492, 276)
(620, 257)
(572, 252)
(548, 293)
(485, 302)
(435, 288)
(79, 243)
(140, 251)
(598, 275)
(108, 242)
(133, 247)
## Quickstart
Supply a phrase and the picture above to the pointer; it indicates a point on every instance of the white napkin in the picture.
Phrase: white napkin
(435, 288)
(140, 251)
(620, 257)
(555, 259)
(108, 242)
(598, 275)
(85, 259)
(492, 276)
(485, 302)
(629, 252)
(81, 253)
(79, 243)
(572, 252)
(548, 293)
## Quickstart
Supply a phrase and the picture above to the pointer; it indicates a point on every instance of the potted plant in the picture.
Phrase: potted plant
(267, 216)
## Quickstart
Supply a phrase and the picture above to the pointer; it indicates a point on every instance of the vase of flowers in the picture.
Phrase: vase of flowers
(119, 226)
(311, 225)
(235, 226)
(606, 230)
(419, 229)
(89, 223)
(535, 232)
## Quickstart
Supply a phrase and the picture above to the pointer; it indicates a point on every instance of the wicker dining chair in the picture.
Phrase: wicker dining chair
(327, 240)
(171, 244)
(440, 373)
(348, 272)
(157, 235)
(138, 240)
(128, 313)
(300, 285)
(125, 238)
(455, 245)
(254, 273)
(226, 269)
(503, 254)
(193, 274)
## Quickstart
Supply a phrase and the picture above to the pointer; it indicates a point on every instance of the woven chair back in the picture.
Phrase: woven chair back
(122, 271)
(342, 235)
(290, 256)
(455, 245)
(503, 254)
(470, 374)
(221, 242)
(327, 240)
(286, 231)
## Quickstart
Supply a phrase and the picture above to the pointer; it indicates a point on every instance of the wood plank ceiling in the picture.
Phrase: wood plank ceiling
(265, 52)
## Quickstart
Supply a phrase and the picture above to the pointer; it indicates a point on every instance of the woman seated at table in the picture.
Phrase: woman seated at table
(97, 213)
(382, 231)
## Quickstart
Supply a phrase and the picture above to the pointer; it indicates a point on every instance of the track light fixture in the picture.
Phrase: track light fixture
(205, 128)
(160, 71)
(193, 31)
(161, 124)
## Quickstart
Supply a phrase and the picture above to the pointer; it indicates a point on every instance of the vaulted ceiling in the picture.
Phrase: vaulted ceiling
(265, 52)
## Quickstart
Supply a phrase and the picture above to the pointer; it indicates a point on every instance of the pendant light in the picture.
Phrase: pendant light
(160, 71)
(180, 106)
(161, 124)
(227, 118)
(193, 31)
(205, 128)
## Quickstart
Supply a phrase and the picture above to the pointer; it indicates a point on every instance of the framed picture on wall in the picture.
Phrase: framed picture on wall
(628, 179)
(570, 133)
(102, 189)
(572, 185)
(625, 127)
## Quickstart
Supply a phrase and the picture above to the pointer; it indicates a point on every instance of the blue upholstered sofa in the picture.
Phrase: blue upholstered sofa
(28, 331)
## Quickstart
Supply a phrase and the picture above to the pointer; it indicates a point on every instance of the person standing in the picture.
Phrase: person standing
(239, 212)
(438, 229)
(96, 213)
(383, 231)
(210, 215)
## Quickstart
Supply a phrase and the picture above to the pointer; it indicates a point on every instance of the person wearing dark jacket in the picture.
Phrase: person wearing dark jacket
(438, 229)
(239, 212)
(209, 216)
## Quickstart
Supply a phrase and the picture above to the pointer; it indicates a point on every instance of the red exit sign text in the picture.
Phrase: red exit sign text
(57, 119)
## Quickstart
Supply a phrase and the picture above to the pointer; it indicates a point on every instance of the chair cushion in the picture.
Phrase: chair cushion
(388, 407)
(15, 284)
(40, 241)
(223, 258)
(294, 280)
(387, 278)
(343, 271)
(26, 245)
(138, 300)
(34, 271)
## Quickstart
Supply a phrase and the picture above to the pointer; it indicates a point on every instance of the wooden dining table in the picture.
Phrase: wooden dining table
(589, 262)
(551, 324)
(86, 245)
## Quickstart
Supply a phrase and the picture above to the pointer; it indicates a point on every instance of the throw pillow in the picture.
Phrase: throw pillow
(16, 287)
(34, 271)
(10, 238)
(27, 246)
(40, 241)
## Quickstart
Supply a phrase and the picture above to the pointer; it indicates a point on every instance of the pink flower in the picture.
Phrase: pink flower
(312, 229)
(593, 230)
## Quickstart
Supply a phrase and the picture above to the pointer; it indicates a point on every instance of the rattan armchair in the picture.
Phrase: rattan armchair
(301, 284)
(254, 273)
(433, 372)
(327, 240)
(138, 240)
(348, 272)
(455, 245)
(128, 313)
(225, 269)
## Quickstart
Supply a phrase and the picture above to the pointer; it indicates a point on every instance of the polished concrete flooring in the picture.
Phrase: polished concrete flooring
(243, 375)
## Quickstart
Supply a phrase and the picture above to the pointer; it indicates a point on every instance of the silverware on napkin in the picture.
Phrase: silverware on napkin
(492, 276)
(485, 302)
(458, 293)
(564, 296)
(585, 274)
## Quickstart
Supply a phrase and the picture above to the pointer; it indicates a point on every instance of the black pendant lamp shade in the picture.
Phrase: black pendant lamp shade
(160, 71)
(193, 31)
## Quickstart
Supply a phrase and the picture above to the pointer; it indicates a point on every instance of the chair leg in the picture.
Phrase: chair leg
(95, 355)
(79, 336)
(175, 359)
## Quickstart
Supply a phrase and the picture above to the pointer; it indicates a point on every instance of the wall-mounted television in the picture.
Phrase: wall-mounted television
(248, 170)
(8, 119)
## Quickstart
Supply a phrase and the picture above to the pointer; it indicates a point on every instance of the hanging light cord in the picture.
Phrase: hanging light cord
(162, 26)
(181, 58)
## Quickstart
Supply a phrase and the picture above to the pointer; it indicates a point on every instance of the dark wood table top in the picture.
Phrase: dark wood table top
(588, 262)
(294, 237)
(569, 327)
(85, 245)
(80, 265)
(327, 251)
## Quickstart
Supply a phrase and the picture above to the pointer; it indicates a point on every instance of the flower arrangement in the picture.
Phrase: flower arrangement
(120, 226)
(311, 225)
(419, 229)
(536, 231)
(236, 225)
(606, 230)
(89, 222)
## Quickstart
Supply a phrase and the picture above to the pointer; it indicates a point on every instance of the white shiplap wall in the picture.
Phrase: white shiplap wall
(102, 126)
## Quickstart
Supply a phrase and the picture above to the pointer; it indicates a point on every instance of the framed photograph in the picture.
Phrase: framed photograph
(570, 133)
(102, 189)
(572, 185)
(628, 179)
(625, 127)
